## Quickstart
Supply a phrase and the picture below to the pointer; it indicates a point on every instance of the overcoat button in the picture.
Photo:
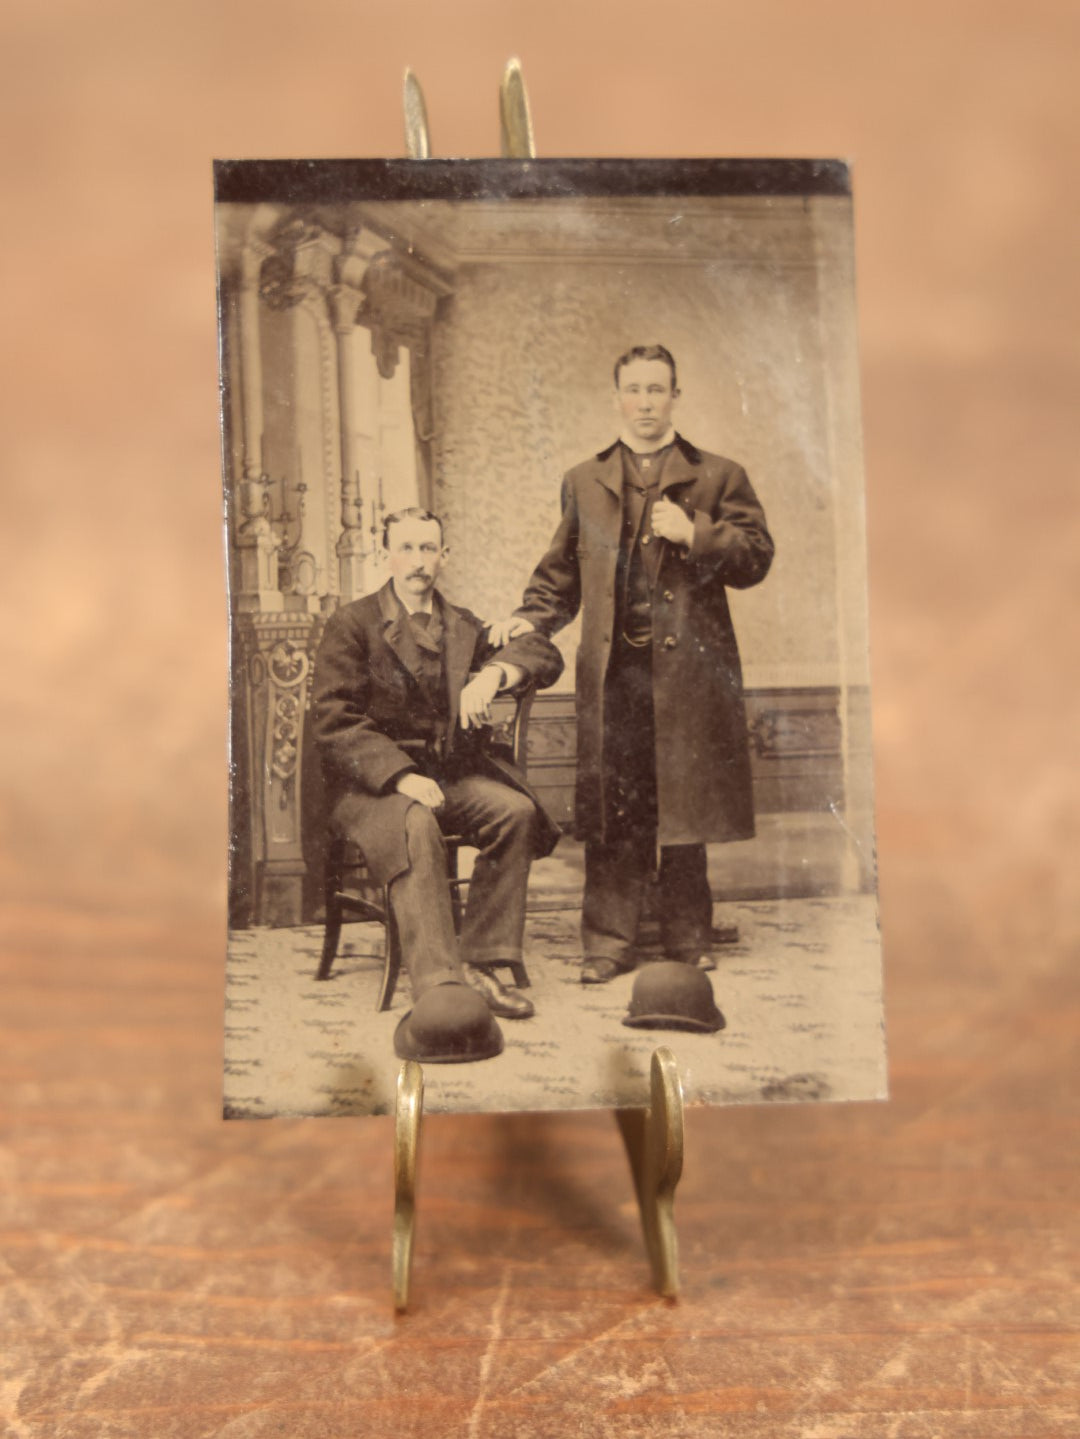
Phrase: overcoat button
(670, 642)
(646, 539)
(669, 596)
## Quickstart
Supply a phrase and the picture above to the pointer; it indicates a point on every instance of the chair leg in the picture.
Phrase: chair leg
(392, 960)
(331, 938)
(335, 863)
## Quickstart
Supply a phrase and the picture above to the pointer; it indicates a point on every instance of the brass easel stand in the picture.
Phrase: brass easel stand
(653, 1136)
(410, 1110)
(654, 1146)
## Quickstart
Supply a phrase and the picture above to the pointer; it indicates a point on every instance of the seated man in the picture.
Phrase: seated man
(403, 685)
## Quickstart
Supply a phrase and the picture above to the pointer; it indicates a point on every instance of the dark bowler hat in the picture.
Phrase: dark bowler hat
(670, 995)
(450, 1024)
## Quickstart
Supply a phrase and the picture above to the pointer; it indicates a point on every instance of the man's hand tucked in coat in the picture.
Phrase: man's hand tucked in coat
(671, 522)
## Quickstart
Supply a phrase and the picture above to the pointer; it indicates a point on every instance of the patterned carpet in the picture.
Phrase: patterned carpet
(801, 992)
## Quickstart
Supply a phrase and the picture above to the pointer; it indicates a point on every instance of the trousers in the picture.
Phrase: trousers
(499, 821)
(619, 869)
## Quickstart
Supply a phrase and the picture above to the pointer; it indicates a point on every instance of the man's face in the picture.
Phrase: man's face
(416, 555)
(645, 398)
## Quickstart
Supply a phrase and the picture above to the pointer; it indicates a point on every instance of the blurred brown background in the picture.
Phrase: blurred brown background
(904, 1270)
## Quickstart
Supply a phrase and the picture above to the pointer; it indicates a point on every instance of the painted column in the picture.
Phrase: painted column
(344, 301)
(256, 543)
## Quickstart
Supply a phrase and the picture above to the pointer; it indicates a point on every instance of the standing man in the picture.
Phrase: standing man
(403, 685)
(653, 533)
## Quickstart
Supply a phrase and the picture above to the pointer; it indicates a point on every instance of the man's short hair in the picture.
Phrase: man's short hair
(412, 513)
(648, 352)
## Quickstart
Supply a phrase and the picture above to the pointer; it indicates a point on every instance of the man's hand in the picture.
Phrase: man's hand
(671, 522)
(425, 791)
(477, 695)
(501, 632)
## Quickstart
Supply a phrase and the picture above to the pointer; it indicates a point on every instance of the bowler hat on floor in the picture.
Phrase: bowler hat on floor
(450, 1024)
(671, 995)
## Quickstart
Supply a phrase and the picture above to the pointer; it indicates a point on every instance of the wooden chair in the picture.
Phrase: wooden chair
(350, 891)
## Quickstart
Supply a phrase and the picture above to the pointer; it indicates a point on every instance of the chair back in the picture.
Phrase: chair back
(510, 725)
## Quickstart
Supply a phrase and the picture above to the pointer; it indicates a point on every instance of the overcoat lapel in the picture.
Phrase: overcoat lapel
(397, 632)
(682, 465)
(609, 469)
(431, 639)
(601, 522)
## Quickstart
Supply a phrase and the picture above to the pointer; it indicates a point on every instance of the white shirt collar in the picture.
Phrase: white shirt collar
(638, 446)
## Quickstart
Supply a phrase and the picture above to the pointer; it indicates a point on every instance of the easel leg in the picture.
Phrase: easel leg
(654, 1145)
(410, 1108)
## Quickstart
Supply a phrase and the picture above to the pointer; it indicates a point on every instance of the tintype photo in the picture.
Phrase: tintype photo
(549, 693)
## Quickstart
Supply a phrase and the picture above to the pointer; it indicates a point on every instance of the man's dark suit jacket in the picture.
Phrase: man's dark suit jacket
(373, 722)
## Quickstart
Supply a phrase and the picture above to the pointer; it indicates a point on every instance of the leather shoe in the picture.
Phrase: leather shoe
(603, 971)
(502, 999)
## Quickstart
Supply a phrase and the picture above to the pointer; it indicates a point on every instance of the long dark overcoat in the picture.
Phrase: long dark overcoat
(368, 712)
(702, 754)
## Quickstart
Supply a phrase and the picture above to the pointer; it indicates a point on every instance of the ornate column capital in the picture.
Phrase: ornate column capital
(249, 262)
(344, 302)
(299, 266)
(358, 248)
(398, 309)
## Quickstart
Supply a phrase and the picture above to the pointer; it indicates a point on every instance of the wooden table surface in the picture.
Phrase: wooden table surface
(904, 1270)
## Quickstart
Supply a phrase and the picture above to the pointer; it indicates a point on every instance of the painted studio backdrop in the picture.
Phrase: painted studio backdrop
(388, 342)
